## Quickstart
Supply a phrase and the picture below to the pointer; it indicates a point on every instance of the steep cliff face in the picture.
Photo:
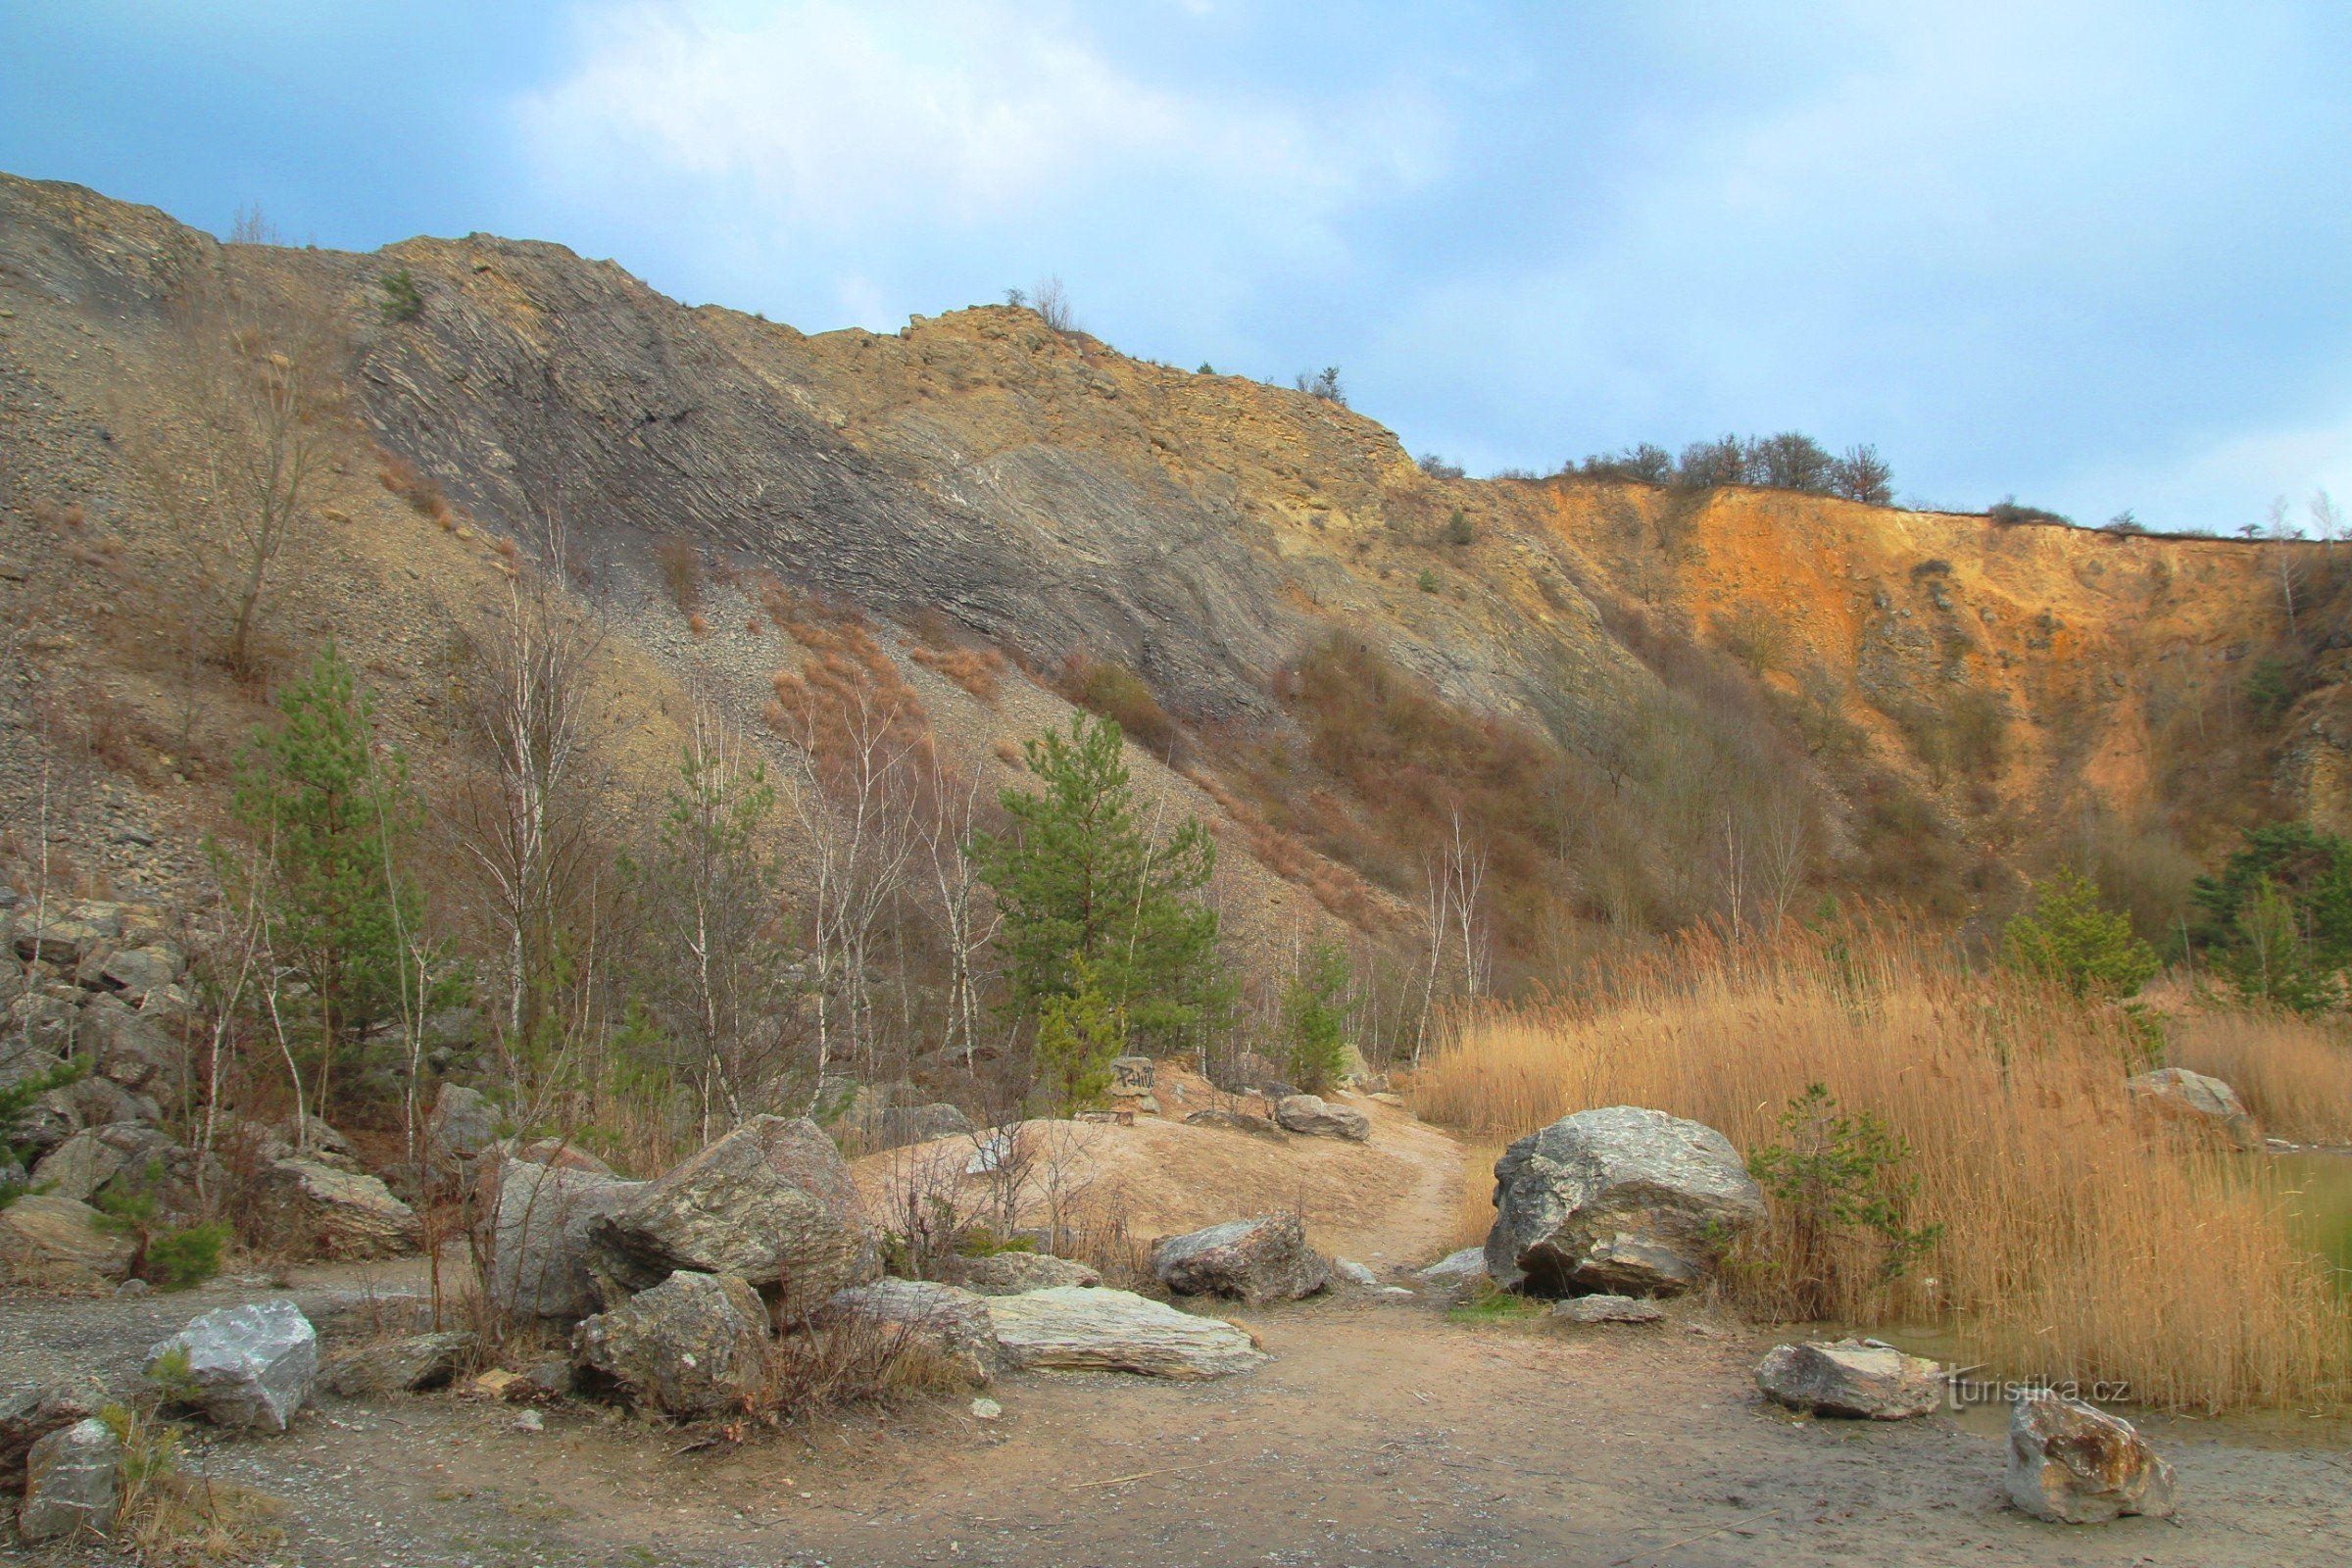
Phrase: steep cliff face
(1051, 497)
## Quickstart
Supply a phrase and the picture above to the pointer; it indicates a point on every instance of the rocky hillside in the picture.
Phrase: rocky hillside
(1644, 705)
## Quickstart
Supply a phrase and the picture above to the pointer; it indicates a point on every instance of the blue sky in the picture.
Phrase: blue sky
(2093, 254)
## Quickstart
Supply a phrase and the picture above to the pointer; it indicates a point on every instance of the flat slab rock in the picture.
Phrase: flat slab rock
(1458, 1268)
(1254, 1260)
(2073, 1464)
(247, 1366)
(1607, 1309)
(1117, 1331)
(1012, 1273)
(1858, 1379)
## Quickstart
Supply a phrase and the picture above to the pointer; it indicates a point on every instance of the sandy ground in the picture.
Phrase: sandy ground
(1381, 1433)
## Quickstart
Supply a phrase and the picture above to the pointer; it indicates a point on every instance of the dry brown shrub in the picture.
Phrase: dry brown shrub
(695, 624)
(975, 669)
(681, 567)
(2079, 1242)
(425, 498)
(1009, 754)
(847, 704)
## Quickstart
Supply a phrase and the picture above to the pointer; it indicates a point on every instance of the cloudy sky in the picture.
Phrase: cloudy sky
(2092, 253)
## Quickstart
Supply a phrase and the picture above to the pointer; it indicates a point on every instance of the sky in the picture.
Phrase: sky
(2090, 255)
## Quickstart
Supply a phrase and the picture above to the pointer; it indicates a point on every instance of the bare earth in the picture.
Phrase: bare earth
(1380, 1434)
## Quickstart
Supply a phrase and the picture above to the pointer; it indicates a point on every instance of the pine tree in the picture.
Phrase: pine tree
(1314, 1010)
(1081, 878)
(2069, 936)
(1077, 1036)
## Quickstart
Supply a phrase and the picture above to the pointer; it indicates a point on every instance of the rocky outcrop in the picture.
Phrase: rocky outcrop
(2197, 1100)
(1317, 1117)
(242, 1366)
(694, 1346)
(541, 1260)
(2073, 1464)
(1012, 1273)
(1620, 1200)
(328, 1213)
(1117, 1331)
(56, 1242)
(948, 1326)
(397, 1366)
(1254, 1260)
(771, 1203)
(1863, 1380)
(71, 1485)
(125, 1156)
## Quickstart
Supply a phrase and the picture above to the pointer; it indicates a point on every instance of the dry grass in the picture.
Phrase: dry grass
(2294, 1074)
(1474, 1214)
(2080, 1240)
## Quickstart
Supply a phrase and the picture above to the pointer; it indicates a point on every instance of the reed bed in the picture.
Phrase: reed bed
(2294, 1074)
(2081, 1240)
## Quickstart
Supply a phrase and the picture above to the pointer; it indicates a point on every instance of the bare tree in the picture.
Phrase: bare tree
(967, 916)
(1051, 302)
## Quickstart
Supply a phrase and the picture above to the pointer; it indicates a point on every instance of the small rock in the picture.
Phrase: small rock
(1117, 1331)
(551, 1378)
(130, 1290)
(1317, 1117)
(29, 1411)
(1237, 1121)
(1607, 1309)
(530, 1421)
(1353, 1272)
(398, 1366)
(247, 1366)
(985, 1408)
(2198, 1101)
(2073, 1464)
(69, 1482)
(1254, 1261)
(1856, 1379)
(693, 1345)
(1458, 1268)
(495, 1383)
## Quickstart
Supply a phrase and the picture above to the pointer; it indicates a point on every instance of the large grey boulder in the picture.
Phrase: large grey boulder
(131, 1047)
(46, 1240)
(1117, 1331)
(69, 1483)
(1857, 1379)
(2196, 1100)
(540, 1256)
(949, 1326)
(1254, 1260)
(695, 1345)
(1317, 1117)
(30, 1410)
(120, 1157)
(397, 1366)
(1012, 1273)
(65, 935)
(464, 1124)
(135, 973)
(1619, 1200)
(771, 1203)
(322, 1210)
(2076, 1465)
(896, 1126)
(243, 1366)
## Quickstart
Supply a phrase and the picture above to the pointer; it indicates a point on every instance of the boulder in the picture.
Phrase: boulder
(1117, 1331)
(39, 1031)
(131, 973)
(2196, 1100)
(1354, 1273)
(771, 1203)
(1254, 1260)
(463, 1125)
(1621, 1200)
(539, 1246)
(29, 1411)
(1131, 1075)
(1317, 1117)
(1609, 1309)
(1858, 1379)
(46, 1240)
(91, 1100)
(949, 1325)
(556, 1152)
(308, 1138)
(901, 1125)
(1012, 1273)
(245, 1366)
(1465, 1267)
(69, 1483)
(695, 1345)
(324, 1211)
(397, 1366)
(65, 935)
(1234, 1121)
(2073, 1464)
(130, 1047)
(127, 1154)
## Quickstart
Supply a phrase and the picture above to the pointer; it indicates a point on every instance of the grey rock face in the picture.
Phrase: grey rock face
(1857, 1379)
(1012, 1273)
(45, 1240)
(1254, 1260)
(948, 1324)
(1117, 1331)
(539, 1249)
(402, 1366)
(771, 1203)
(131, 1047)
(248, 1366)
(1131, 1075)
(1317, 1117)
(133, 972)
(896, 1126)
(69, 1485)
(339, 1214)
(2199, 1100)
(98, 1158)
(2073, 1464)
(695, 1345)
(1607, 1309)
(1621, 1200)
(464, 1124)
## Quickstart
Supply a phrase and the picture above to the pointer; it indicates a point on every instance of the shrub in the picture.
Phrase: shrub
(1313, 1010)
(1427, 582)
(1436, 467)
(2007, 513)
(2070, 937)
(403, 299)
(1110, 689)
(180, 1259)
(1832, 1172)
(1459, 530)
(1323, 383)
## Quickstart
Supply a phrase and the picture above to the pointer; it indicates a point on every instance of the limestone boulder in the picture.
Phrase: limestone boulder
(323, 1212)
(1620, 1200)
(30, 1410)
(1317, 1117)
(52, 1241)
(949, 1325)
(2197, 1100)
(771, 1202)
(70, 1483)
(1012, 1273)
(464, 1125)
(250, 1367)
(131, 1047)
(1254, 1260)
(1863, 1380)
(1591, 1309)
(405, 1366)
(1233, 1121)
(540, 1252)
(2073, 1464)
(694, 1346)
(1117, 1331)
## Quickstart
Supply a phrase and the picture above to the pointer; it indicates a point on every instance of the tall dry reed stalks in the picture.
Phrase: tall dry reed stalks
(2079, 1239)
(2295, 1075)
